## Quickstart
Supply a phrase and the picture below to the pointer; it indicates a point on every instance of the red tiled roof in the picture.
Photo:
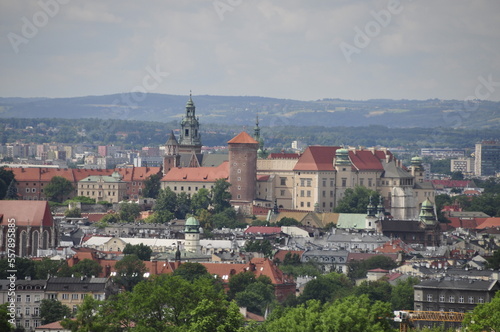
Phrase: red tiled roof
(317, 158)
(242, 138)
(32, 213)
(453, 183)
(263, 177)
(470, 223)
(280, 254)
(197, 174)
(53, 326)
(262, 230)
(490, 223)
(366, 160)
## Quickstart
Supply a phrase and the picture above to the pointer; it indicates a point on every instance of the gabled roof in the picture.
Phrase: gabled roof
(197, 174)
(490, 223)
(242, 138)
(33, 213)
(317, 158)
(366, 160)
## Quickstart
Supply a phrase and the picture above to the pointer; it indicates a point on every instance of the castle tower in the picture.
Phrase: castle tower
(171, 157)
(243, 170)
(192, 235)
(417, 169)
(190, 138)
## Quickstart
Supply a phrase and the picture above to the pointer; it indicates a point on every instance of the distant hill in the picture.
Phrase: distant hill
(242, 110)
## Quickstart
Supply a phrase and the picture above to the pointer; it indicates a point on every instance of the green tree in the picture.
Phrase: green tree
(221, 195)
(356, 200)
(160, 217)
(457, 175)
(484, 317)
(25, 267)
(129, 212)
(358, 269)
(152, 186)
(166, 201)
(261, 246)
(327, 287)
(110, 218)
(86, 268)
(227, 219)
(183, 205)
(285, 221)
(58, 189)
(142, 251)
(256, 297)
(80, 199)
(164, 302)
(6, 178)
(4, 319)
(291, 259)
(52, 310)
(494, 261)
(86, 318)
(47, 267)
(379, 290)
(73, 213)
(191, 271)
(129, 271)
(350, 314)
(239, 282)
(200, 200)
(402, 295)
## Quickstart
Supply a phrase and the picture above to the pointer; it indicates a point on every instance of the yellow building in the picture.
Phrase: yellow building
(109, 188)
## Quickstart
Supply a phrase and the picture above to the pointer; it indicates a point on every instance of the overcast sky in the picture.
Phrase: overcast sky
(309, 49)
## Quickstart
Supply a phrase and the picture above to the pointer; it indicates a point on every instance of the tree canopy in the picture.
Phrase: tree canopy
(58, 189)
(356, 200)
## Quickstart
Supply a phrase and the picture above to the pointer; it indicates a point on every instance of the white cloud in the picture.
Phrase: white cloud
(286, 49)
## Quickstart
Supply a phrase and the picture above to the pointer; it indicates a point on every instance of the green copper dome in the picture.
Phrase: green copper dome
(342, 157)
(192, 225)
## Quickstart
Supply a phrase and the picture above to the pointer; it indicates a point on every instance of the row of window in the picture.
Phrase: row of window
(461, 299)
(36, 298)
(33, 190)
(28, 311)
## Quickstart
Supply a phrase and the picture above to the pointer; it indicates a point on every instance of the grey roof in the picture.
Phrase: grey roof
(389, 225)
(214, 159)
(462, 284)
(72, 284)
(393, 171)
(21, 284)
(424, 185)
(468, 214)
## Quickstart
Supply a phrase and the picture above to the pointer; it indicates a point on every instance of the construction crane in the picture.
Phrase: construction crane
(406, 317)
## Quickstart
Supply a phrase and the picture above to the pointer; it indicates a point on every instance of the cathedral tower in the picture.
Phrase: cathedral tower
(190, 138)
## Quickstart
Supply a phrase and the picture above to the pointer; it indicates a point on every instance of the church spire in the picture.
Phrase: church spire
(190, 138)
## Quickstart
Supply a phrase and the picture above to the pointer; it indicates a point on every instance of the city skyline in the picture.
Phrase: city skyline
(296, 50)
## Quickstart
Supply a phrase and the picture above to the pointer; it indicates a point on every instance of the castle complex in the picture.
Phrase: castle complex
(312, 181)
